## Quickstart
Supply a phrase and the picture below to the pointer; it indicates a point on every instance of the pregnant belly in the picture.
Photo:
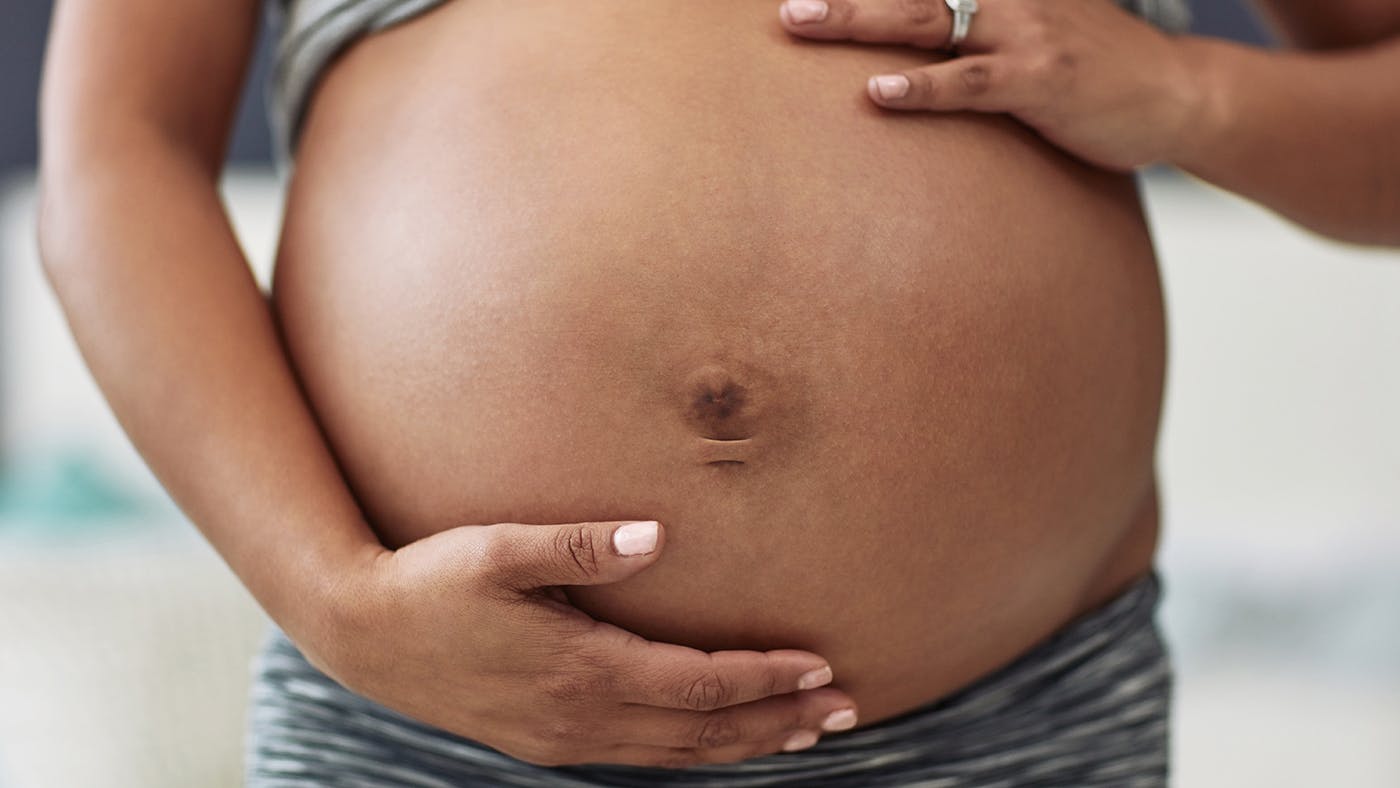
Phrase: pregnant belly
(891, 382)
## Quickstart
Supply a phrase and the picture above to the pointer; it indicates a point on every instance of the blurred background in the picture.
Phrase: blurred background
(125, 642)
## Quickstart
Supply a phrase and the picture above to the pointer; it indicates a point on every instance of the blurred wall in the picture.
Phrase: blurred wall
(22, 39)
(23, 35)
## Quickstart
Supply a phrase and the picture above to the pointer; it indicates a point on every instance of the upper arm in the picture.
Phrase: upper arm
(117, 69)
(1328, 24)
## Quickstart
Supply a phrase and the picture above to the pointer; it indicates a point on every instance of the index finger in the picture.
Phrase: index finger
(679, 677)
(919, 23)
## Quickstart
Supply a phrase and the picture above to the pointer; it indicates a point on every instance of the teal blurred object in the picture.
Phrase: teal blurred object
(66, 492)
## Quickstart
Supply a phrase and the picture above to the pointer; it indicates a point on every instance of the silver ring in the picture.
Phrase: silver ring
(962, 20)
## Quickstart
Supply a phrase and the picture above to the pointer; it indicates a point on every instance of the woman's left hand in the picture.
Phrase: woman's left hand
(1090, 77)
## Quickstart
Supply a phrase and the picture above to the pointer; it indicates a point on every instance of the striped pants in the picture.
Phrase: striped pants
(1088, 706)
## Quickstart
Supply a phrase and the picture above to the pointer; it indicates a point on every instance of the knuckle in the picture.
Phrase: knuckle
(579, 545)
(1063, 65)
(597, 672)
(1038, 68)
(706, 691)
(921, 86)
(809, 718)
(841, 12)
(976, 79)
(718, 730)
(1053, 68)
(569, 688)
(500, 551)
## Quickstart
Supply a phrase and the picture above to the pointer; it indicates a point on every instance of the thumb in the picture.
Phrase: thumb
(526, 557)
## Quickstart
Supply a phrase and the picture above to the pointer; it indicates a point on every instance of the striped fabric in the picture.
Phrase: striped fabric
(310, 32)
(1086, 707)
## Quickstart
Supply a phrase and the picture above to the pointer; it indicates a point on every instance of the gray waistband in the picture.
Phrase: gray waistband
(311, 32)
(1086, 707)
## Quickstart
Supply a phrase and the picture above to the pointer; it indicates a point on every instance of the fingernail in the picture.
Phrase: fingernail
(799, 11)
(839, 720)
(815, 678)
(890, 86)
(635, 538)
(800, 741)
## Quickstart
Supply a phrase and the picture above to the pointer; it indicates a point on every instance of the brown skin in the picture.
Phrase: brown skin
(182, 344)
(1308, 134)
(891, 382)
(160, 299)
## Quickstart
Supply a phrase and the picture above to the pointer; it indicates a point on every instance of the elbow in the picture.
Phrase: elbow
(47, 232)
(59, 223)
(52, 238)
(82, 181)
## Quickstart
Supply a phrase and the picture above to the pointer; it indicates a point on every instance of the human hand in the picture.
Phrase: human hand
(467, 630)
(1090, 77)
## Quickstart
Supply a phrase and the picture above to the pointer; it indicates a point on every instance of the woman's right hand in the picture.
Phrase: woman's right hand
(468, 631)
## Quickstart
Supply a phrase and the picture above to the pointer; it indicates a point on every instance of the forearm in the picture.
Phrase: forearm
(181, 341)
(1312, 135)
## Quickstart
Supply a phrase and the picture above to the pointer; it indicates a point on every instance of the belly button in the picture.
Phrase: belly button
(718, 406)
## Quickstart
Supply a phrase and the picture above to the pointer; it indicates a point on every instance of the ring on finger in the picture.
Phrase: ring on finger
(962, 21)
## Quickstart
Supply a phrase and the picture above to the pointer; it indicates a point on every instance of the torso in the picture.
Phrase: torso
(891, 382)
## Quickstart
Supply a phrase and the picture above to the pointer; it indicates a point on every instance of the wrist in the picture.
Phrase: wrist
(346, 609)
(325, 600)
(1205, 101)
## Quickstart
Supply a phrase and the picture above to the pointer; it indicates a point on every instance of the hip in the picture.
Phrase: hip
(1089, 705)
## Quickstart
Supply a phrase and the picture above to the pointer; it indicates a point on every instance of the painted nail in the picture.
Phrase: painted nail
(799, 11)
(635, 538)
(800, 741)
(890, 86)
(815, 678)
(839, 720)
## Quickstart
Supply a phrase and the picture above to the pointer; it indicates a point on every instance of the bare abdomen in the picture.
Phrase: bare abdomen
(891, 382)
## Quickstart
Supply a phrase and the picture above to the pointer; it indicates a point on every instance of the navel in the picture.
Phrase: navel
(719, 404)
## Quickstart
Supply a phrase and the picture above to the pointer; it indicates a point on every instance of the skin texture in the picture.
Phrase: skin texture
(1111, 89)
(138, 247)
(141, 255)
(890, 382)
(1027, 58)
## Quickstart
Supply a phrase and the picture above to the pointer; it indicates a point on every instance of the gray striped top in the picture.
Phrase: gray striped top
(310, 32)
